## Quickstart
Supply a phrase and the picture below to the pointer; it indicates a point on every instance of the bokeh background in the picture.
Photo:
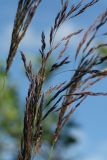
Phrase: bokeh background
(89, 128)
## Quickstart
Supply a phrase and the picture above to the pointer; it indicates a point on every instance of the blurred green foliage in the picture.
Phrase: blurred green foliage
(103, 51)
(10, 120)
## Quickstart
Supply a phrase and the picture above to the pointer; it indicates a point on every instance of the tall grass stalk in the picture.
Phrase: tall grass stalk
(67, 96)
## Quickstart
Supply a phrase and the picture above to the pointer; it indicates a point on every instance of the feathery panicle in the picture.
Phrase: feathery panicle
(67, 96)
(25, 12)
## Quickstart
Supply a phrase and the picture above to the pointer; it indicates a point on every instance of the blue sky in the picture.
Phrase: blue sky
(92, 114)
